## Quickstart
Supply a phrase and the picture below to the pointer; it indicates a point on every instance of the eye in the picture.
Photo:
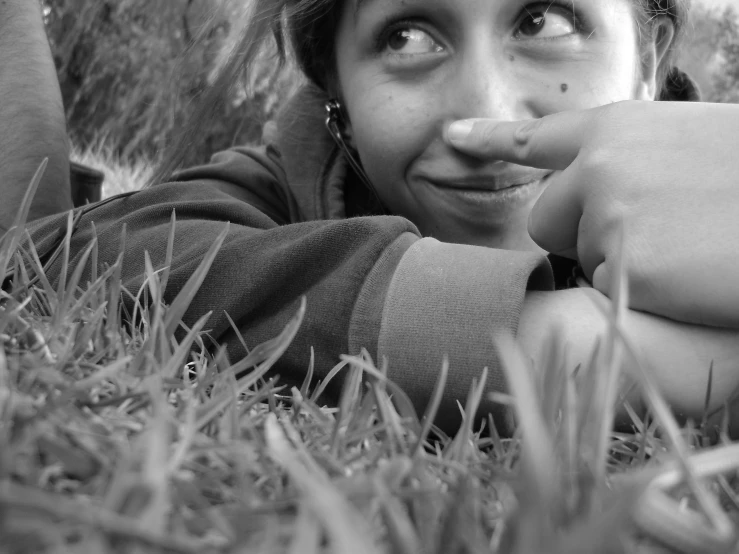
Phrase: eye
(410, 41)
(547, 21)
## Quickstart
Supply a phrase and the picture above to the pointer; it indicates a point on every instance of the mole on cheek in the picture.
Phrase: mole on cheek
(564, 87)
(512, 58)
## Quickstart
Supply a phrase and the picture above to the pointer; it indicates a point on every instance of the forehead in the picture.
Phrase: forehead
(600, 13)
(359, 5)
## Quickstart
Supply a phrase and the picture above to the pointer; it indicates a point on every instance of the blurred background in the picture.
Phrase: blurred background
(131, 70)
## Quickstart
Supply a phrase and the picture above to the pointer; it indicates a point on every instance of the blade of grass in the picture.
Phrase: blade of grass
(619, 295)
(304, 388)
(69, 295)
(347, 405)
(173, 366)
(345, 528)
(61, 288)
(187, 292)
(306, 537)
(400, 399)
(538, 450)
(18, 228)
(720, 522)
(164, 279)
(433, 407)
(325, 382)
(459, 447)
(113, 324)
(276, 348)
(103, 373)
(13, 495)
(401, 531)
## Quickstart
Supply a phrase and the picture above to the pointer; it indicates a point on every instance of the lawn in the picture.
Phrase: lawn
(118, 437)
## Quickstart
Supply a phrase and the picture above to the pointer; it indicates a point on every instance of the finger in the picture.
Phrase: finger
(551, 142)
(555, 218)
(602, 279)
(570, 253)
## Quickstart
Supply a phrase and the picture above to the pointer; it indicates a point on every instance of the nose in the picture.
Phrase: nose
(487, 85)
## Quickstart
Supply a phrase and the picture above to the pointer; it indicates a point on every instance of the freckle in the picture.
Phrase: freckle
(512, 58)
(564, 87)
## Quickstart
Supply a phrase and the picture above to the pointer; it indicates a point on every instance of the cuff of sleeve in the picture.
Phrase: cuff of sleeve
(364, 328)
(449, 299)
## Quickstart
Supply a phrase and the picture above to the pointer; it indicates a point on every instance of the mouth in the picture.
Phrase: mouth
(489, 183)
(490, 195)
(480, 187)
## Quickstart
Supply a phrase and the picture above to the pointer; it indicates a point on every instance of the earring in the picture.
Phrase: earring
(334, 124)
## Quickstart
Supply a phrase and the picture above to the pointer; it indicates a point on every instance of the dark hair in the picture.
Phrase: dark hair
(308, 28)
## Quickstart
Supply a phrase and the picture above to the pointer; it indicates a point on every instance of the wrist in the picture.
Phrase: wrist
(570, 313)
(679, 355)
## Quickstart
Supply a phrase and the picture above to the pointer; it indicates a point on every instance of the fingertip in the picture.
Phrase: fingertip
(531, 226)
(459, 131)
(600, 279)
(533, 223)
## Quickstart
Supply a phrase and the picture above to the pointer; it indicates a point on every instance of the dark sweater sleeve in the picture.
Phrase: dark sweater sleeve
(369, 282)
(250, 174)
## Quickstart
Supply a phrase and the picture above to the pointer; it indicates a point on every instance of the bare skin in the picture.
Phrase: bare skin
(654, 184)
(680, 355)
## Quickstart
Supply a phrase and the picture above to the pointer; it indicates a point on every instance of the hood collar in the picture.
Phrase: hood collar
(315, 168)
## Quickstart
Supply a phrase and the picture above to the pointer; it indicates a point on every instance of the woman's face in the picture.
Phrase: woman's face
(408, 68)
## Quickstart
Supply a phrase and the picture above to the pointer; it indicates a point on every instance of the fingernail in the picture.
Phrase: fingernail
(458, 131)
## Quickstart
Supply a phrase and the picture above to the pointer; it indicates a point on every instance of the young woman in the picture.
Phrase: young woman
(409, 235)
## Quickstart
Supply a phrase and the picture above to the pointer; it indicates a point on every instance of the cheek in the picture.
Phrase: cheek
(617, 77)
(617, 73)
(390, 129)
(592, 84)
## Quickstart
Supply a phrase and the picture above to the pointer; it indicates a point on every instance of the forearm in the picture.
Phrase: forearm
(31, 115)
(680, 355)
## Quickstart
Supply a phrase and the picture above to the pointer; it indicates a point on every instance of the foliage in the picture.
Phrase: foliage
(129, 437)
(726, 81)
(120, 175)
(710, 53)
(131, 71)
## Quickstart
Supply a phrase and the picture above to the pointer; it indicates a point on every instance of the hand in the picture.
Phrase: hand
(679, 355)
(667, 173)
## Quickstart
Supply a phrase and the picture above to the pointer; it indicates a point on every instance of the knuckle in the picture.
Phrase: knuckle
(617, 110)
(523, 138)
(617, 116)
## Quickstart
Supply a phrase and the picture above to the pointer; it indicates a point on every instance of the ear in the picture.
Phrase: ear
(653, 55)
(334, 91)
(346, 125)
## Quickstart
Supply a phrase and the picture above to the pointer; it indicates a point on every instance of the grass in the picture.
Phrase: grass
(117, 437)
(121, 175)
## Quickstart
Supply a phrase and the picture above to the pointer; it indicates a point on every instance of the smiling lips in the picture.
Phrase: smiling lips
(490, 182)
